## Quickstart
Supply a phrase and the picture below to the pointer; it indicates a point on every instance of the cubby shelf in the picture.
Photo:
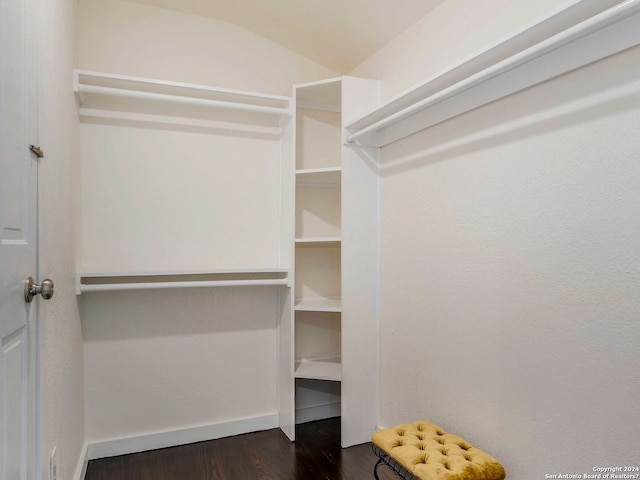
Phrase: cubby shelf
(318, 242)
(318, 304)
(320, 95)
(319, 177)
(319, 369)
(115, 281)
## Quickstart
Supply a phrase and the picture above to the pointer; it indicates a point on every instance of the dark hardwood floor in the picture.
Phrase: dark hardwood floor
(316, 454)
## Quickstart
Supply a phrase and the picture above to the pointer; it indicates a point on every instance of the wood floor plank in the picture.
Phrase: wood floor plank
(315, 455)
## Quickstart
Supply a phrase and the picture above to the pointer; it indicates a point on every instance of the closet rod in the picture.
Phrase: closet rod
(118, 92)
(535, 52)
(110, 287)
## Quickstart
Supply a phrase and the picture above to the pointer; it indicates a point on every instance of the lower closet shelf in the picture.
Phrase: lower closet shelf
(103, 282)
(319, 370)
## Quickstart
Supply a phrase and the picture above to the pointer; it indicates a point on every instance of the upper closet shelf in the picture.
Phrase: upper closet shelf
(125, 100)
(320, 95)
(102, 282)
(562, 42)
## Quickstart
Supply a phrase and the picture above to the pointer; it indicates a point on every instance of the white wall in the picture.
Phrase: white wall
(158, 200)
(180, 361)
(510, 268)
(61, 353)
(129, 38)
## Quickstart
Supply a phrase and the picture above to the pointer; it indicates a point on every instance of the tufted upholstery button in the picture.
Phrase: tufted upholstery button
(430, 453)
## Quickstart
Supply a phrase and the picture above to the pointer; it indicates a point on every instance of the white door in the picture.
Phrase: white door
(18, 247)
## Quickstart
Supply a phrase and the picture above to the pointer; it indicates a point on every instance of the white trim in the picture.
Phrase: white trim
(81, 467)
(491, 76)
(123, 446)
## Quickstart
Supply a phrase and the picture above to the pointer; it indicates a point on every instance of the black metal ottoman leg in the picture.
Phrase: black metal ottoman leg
(375, 469)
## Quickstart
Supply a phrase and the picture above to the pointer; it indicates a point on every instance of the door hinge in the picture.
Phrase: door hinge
(38, 152)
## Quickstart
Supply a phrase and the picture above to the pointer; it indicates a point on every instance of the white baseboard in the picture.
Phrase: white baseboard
(123, 446)
(81, 467)
(320, 412)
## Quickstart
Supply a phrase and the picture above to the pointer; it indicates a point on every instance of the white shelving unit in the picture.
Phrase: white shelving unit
(335, 266)
(318, 221)
(218, 212)
(122, 113)
(308, 228)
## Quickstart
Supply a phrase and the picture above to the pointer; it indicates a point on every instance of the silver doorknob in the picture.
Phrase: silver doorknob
(31, 289)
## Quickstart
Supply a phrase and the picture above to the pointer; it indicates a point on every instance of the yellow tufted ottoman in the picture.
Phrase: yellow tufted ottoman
(425, 451)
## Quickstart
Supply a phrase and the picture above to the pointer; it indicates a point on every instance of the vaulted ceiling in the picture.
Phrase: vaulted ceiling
(338, 34)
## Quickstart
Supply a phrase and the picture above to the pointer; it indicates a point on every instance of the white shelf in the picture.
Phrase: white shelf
(324, 369)
(116, 281)
(319, 177)
(318, 304)
(321, 95)
(130, 100)
(558, 44)
(318, 242)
